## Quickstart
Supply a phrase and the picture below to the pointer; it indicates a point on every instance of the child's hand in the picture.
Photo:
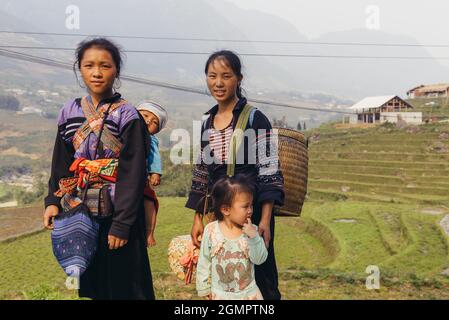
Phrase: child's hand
(209, 296)
(151, 242)
(155, 179)
(249, 229)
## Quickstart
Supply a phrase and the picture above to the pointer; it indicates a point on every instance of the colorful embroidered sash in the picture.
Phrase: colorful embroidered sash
(96, 172)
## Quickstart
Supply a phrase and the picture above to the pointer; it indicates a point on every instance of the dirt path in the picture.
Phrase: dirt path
(444, 223)
(16, 222)
(8, 204)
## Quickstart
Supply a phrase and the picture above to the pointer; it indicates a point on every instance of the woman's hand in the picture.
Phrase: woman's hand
(265, 233)
(115, 242)
(49, 213)
(197, 229)
(264, 224)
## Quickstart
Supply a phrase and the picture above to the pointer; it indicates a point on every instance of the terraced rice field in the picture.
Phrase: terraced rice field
(381, 164)
(322, 255)
(377, 196)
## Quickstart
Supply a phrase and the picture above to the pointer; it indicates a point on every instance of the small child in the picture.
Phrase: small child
(155, 118)
(231, 245)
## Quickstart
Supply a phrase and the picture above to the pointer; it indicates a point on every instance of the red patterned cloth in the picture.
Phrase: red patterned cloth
(96, 172)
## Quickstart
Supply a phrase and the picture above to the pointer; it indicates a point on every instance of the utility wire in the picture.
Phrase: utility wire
(243, 54)
(68, 66)
(233, 40)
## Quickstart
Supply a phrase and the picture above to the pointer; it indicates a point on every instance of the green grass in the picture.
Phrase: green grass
(367, 191)
(5, 193)
(314, 253)
(440, 110)
(382, 163)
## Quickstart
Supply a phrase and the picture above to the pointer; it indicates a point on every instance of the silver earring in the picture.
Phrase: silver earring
(117, 83)
(80, 83)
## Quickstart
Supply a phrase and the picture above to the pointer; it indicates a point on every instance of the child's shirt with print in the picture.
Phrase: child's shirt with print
(226, 266)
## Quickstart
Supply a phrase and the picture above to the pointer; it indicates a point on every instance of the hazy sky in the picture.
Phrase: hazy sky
(426, 21)
(423, 19)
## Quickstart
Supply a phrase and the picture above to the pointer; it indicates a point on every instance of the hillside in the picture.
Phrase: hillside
(335, 243)
(220, 20)
(382, 164)
(433, 109)
(377, 196)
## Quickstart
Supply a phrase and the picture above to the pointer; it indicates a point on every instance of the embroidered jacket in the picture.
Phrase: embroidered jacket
(260, 161)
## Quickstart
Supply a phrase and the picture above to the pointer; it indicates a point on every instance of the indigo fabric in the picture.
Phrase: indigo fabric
(75, 240)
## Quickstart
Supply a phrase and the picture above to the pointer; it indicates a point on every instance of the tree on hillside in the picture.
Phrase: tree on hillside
(9, 103)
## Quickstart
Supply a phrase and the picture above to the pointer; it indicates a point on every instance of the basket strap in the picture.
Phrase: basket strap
(237, 138)
(251, 116)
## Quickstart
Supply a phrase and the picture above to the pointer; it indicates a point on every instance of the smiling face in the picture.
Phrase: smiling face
(241, 208)
(98, 71)
(151, 121)
(222, 81)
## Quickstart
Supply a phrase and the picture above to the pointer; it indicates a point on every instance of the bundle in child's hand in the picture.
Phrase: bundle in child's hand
(183, 257)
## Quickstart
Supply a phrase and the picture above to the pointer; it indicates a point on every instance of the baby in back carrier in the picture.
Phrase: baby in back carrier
(155, 118)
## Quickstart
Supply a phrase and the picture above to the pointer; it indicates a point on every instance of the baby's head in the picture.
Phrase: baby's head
(232, 198)
(154, 115)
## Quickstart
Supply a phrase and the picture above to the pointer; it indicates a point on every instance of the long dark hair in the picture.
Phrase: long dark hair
(232, 60)
(225, 189)
(101, 43)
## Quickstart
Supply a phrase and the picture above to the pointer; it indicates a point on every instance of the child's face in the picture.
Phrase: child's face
(241, 209)
(98, 71)
(151, 120)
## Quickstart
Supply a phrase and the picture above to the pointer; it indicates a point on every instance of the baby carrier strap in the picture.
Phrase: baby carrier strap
(247, 115)
(95, 123)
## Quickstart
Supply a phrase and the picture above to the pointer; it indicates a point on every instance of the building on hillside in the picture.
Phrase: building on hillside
(429, 91)
(30, 110)
(378, 110)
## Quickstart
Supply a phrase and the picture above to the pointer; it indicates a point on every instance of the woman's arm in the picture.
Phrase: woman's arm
(131, 178)
(269, 176)
(196, 199)
(61, 160)
(264, 224)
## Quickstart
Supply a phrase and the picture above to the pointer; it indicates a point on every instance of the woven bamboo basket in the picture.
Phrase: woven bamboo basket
(293, 158)
(178, 247)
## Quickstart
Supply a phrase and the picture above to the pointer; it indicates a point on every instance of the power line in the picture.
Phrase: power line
(68, 66)
(279, 55)
(233, 40)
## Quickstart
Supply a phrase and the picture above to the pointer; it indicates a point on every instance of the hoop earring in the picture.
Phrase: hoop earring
(79, 83)
(117, 83)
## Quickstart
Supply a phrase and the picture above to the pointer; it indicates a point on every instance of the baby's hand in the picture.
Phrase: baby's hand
(249, 229)
(155, 179)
